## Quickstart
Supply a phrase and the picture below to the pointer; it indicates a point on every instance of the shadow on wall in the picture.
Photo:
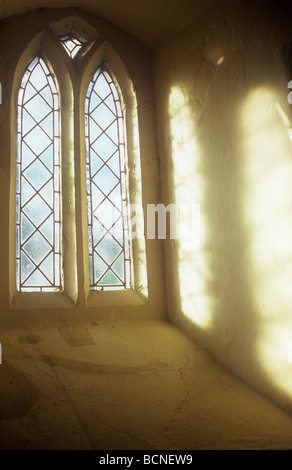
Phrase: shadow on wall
(234, 290)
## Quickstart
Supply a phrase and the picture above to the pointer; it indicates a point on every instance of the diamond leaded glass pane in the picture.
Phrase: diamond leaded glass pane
(109, 256)
(38, 182)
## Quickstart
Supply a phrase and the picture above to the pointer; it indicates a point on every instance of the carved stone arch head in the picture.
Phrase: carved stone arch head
(77, 27)
(44, 44)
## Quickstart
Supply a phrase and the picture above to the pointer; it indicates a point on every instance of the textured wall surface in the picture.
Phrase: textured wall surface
(224, 130)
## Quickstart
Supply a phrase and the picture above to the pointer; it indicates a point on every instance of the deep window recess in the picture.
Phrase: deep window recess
(72, 44)
(38, 201)
(46, 194)
(108, 230)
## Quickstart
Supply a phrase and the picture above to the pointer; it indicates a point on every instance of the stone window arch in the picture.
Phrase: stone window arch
(124, 280)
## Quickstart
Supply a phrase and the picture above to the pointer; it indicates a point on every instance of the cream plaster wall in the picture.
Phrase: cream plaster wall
(224, 127)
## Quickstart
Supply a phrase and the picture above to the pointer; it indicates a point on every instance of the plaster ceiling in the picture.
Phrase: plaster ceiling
(150, 21)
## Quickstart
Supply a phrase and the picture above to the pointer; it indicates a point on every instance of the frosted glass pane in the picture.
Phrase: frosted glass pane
(37, 247)
(106, 180)
(101, 87)
(47, 229)
(97, 197)
(57, 237)
(38, 108)
(47, 193)
(57, 270)
(94, 129)
(104, 147)
(112, 132)
(37, 174)
(30, 91)
(18, 273)
(95, 162)
(37, 140)
(94, 101)
(110, 279)
(37, 279)
(109, 249)
(99, 266)
(26, 228)
(55, 101)
(26, 265)
(117, 231)
(47, 95)
(36, 210)
(28, 123)
(27, 191)
(47, 157)
(47, 267)
(127, 273)
(111, 104)
(103, 116)
(71, 43)
(104, 183)
(114, 164)
(98, 232)
(115, 197)
(126, 244)
(47, 125)
(118, 266)
(38, 78)
(27, 156)
(38, 242)
(107, 214)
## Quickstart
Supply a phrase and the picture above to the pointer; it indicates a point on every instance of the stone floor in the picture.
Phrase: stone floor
(127, 385)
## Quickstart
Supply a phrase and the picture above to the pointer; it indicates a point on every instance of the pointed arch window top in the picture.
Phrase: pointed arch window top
(72, 44)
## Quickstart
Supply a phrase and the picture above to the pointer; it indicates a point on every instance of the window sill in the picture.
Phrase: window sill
(34, 300)
(120, 298)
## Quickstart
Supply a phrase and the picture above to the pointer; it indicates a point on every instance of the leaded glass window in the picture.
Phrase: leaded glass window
(72, 44)
(38, 232)
(108, 231)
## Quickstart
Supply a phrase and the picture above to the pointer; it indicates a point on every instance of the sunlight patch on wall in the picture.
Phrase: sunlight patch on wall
(267, 212)
(188, 190)
(268, 200)
(275, 351)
